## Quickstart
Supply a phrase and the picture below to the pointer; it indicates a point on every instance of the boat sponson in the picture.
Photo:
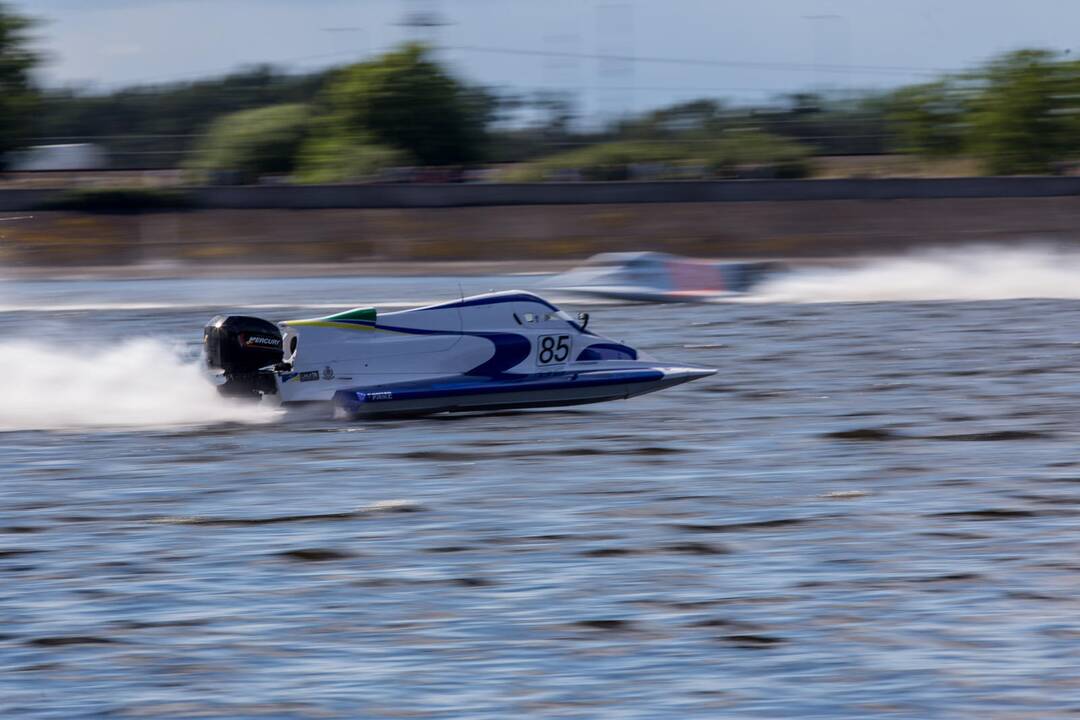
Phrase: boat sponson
(472, 393)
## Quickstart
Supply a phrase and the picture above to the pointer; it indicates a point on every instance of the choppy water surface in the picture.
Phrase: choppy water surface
(870, 511)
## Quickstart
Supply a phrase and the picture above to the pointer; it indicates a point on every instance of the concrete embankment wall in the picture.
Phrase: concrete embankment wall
(482, 222)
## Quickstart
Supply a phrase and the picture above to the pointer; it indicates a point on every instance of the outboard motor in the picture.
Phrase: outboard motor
(241, 347)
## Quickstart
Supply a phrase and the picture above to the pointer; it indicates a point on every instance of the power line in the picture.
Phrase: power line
(658, 88)
(746, 64)
(280, 63)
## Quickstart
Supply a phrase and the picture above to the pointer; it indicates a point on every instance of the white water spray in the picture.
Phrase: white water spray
(139, 384)
(972, 273)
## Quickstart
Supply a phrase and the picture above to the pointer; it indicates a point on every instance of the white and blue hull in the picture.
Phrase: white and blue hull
(487, 352)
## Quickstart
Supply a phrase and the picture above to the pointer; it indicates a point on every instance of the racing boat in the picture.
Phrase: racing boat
(660, 277)
(493, 351)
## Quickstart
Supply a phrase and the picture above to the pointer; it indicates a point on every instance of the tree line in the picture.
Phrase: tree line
(1019, 113)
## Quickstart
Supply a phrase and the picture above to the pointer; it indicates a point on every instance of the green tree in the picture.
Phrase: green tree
(405, 100)
(17, 94)
(697, 118)
(162, 123)
(328, 157)
(1023, 120)
(928, 119)
(256, 142)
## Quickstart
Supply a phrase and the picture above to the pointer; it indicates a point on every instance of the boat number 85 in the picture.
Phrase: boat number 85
(553, 349)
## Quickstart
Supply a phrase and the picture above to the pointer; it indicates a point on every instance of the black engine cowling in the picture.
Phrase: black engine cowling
(241, 346)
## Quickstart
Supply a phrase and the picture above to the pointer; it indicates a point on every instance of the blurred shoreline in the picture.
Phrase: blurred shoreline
(173, 270)
(513, 238)
(417, 268)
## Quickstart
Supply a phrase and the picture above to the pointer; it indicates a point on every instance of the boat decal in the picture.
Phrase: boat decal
(306, 376)
(368, 313)
(374, 396)
(607, 351)
(510, 350)
(347, 319)
(339, 324)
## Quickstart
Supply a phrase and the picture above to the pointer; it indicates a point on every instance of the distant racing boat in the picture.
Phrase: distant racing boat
(660, 277)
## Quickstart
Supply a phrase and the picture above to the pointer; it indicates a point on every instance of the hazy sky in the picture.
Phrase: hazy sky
(756, 49)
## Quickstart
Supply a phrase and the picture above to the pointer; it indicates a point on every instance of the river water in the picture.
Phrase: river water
(870, 511)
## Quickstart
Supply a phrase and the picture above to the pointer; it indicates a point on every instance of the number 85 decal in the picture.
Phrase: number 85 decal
(552, 349)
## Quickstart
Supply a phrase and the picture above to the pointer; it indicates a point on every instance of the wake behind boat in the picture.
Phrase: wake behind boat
(493, 351)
